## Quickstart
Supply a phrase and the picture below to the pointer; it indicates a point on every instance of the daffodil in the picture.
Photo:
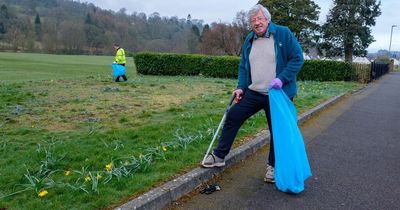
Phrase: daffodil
(164, 148)
(98, 176)
(109, 166)
(43, 193)
(67, 173)
(87, 179)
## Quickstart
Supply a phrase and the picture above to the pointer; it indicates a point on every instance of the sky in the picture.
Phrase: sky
(225, 11)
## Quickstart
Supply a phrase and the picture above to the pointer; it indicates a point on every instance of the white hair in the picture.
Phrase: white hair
(255, 9)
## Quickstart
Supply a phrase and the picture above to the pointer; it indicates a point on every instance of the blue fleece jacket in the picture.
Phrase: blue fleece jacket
(288, 56)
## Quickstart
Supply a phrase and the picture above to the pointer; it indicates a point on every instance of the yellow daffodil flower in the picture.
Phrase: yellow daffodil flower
(109, 166)
(43, 193)
(67, 173)
(164, 148)
(87, 179)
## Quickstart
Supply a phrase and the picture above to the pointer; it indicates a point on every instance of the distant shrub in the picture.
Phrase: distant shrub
(362, 71)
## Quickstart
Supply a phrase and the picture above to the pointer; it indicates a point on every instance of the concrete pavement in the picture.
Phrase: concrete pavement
(354, 152)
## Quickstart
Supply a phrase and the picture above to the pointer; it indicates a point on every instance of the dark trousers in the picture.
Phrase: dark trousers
(123, 76)
(250, 104)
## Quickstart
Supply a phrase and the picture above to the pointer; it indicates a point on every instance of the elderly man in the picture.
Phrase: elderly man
(271, 58)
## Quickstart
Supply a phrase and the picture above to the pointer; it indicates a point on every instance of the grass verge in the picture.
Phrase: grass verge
(73, 140)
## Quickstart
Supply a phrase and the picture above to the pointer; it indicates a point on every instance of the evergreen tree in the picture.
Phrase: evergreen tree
(347, 30)
(206, 28)
(95, 34)
(196, 30)
(37, 19)
(88, 19)
(4, 20)
(38, 27)
(193, 39)
(189, 19)
(300, 16)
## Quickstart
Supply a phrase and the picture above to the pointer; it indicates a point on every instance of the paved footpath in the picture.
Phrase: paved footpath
(354, 152)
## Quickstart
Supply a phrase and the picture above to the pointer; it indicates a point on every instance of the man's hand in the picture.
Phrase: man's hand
(276, 83)
(238, 95)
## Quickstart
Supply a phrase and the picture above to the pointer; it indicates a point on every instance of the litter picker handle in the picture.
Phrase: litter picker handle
(231, 101)
(219, 127)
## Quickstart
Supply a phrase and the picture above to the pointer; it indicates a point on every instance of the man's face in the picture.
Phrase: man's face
(259, 23)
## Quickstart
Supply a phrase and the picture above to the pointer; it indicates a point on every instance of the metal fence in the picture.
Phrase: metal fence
(378, 69)
(366, 73)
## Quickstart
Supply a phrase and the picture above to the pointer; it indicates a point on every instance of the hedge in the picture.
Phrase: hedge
(149, 63)
(221, 66)
(324, 70)
(186, 64)
(168, 64)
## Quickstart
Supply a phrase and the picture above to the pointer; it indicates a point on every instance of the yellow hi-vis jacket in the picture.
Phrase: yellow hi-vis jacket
(120, 56)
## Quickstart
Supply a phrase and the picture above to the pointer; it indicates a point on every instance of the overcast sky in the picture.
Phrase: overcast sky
(225, 11)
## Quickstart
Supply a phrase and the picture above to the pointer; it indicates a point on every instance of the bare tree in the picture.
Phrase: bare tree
(21, 35)
(72, 36)
(50, 35)
(225, 39)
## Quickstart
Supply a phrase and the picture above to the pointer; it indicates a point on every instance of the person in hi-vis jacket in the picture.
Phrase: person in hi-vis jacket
(120, 60)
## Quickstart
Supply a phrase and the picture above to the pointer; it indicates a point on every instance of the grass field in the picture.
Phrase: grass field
(69, 131)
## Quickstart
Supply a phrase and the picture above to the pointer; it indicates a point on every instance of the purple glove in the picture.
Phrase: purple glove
(276, 83)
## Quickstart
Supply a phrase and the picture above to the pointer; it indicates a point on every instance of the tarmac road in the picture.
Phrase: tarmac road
(354, 152)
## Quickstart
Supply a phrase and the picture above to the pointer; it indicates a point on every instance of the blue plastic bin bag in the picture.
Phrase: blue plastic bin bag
(291, 162)
(118, 70)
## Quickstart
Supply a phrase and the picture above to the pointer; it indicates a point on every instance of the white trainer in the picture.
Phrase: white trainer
(213, 161)
(269, 176)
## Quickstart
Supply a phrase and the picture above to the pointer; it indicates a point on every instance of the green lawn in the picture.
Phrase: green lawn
(19, 67)
(67, 128)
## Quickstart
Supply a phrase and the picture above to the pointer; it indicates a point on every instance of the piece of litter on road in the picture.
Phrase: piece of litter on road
(210, 189)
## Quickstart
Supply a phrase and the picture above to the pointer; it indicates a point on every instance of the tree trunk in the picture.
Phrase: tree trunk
(348, 52)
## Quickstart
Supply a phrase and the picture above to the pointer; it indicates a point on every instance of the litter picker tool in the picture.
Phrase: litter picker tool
(219, 127)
